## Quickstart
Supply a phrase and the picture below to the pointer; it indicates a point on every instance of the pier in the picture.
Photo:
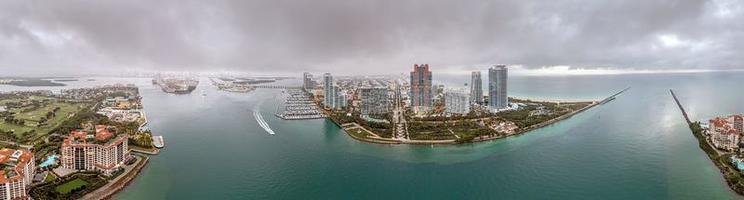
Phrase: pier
(684, 113)
(610, 98)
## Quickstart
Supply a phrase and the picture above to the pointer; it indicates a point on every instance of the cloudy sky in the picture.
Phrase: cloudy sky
(368, 36)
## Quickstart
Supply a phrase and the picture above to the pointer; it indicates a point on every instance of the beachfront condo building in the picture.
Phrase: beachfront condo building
(421, 93)
(18, 171)
(329, 92)
(100, 149)
(725, 132)
(497, 97)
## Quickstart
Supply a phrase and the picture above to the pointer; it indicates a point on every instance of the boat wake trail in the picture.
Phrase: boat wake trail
(262, 122)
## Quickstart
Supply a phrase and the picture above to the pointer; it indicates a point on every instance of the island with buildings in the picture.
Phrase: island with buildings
(33, 82)
(232, 84)
(176, 85)
(78, 143)
(410, 109)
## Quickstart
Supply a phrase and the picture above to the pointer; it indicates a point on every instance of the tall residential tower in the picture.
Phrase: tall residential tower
(329, 96)
(421, 87)
(497, 77)
(476, 88)
(307, 81)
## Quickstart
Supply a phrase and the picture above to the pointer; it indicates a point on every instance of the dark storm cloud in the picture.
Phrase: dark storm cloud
(356, 36)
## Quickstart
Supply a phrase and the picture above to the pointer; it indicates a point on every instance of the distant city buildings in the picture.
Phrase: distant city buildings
(100, 149)
(374, 100)
(421, 91)
(457, 102)
(497, 87)
(725, 133)
(307, 81)
(19, 168)
(340, 100)
(476, 88)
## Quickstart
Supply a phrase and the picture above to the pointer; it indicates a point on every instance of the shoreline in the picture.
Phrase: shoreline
(107, 192)
(380, 140)
(718, 159)
(121, 182)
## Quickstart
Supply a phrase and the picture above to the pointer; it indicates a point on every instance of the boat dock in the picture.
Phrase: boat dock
(299, 105)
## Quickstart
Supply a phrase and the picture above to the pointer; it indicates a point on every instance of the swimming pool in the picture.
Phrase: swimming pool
(51, 160)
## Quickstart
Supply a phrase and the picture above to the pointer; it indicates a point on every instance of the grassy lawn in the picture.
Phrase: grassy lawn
(71, 185)
(32, 117)
(141, 148)
(49, 178)
(18, 129)
(358, 132)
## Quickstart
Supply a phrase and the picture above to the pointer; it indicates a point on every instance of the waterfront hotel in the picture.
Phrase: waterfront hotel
(18, 171)
(98, 150)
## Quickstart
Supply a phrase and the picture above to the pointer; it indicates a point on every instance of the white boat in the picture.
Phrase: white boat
(158, 141)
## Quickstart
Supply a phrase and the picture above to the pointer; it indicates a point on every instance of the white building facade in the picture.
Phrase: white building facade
(457, 102)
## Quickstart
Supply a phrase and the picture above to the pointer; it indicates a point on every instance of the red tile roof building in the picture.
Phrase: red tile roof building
(17, 173)
(725, 133)
(102, 150)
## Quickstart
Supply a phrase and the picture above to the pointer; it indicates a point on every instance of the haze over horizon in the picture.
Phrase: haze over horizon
(374, 37)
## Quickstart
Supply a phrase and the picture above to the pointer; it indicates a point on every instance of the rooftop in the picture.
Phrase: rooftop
(101, 134)
(12, 162)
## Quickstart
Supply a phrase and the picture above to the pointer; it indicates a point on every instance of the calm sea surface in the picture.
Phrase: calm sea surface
(636, 147)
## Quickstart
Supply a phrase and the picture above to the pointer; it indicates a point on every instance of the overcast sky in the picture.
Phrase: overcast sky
(367, 36)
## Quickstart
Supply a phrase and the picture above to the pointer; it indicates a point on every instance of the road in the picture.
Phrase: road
(399, 120)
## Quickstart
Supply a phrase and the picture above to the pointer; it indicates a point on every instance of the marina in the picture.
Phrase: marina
(299, 105)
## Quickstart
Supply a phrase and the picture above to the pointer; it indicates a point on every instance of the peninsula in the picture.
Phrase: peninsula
(32, 82)
(720, 139)
(176, 85)
(393, 110)
(475, 127)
